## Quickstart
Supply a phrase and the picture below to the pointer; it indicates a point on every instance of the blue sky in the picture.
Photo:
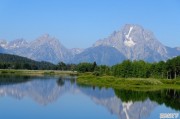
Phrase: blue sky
(79, 23)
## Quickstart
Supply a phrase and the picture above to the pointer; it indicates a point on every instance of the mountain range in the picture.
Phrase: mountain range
(131, 42)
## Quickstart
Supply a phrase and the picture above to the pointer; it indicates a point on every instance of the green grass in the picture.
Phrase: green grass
(128, 83)
(35, 72)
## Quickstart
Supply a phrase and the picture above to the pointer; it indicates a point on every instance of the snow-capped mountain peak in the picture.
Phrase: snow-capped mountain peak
(3, 44)
(136, 43)
(13, 44)
(17, 43)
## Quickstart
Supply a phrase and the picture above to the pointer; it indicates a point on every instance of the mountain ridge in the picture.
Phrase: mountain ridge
(131, 42)
(135, 43)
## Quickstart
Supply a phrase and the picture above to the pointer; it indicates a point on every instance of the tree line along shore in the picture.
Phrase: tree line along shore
(169, 69)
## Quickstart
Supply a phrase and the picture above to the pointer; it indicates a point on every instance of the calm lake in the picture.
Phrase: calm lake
(62, 98)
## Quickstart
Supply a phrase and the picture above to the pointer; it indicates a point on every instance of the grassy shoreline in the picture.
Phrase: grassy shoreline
(128, 83)
(35, 72)
(89, 79)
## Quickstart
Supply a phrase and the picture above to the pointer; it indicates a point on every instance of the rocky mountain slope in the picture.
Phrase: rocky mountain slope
(101, 54)
(44, 48)
(136, 43)
(130, 42)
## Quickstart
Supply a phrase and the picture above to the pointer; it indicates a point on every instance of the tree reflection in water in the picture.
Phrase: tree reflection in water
(170, 97)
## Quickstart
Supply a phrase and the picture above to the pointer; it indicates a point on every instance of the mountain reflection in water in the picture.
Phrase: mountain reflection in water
(125, 104)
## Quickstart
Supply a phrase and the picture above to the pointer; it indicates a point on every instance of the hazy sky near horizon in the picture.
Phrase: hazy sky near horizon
(79, 23)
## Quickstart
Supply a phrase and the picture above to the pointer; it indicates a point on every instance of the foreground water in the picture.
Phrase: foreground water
(61, 98)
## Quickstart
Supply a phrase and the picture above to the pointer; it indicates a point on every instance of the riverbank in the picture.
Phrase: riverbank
(128, 83)
(35, 72)
(88, 79)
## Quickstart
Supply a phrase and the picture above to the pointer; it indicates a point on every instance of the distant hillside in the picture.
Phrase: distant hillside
(101, 54)
(18, 62)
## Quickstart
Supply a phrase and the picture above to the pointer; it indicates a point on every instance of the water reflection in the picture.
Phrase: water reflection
(42, 90)
(124, 109)
(169, 97)
(123, 103)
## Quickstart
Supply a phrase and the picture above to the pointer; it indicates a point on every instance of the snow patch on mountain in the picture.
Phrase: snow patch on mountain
(129, 42)
(126, 107)
(3, 44)
(127, 36)
(76, 51)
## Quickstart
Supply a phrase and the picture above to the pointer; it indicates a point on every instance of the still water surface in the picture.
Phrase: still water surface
(61, 98)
